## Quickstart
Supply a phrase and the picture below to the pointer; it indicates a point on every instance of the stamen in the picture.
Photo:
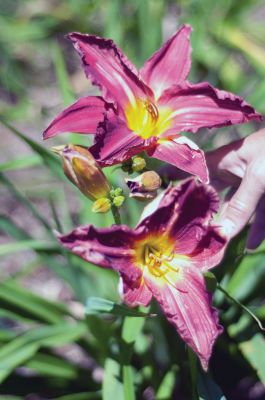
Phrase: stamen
(158, 263)
(152, 110)
(174, 269)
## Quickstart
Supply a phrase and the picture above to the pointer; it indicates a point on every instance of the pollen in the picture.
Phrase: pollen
(145, 119)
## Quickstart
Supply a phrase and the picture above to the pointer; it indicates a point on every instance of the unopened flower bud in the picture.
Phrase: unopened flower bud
(116, 192)
(145, 185)
(138, 164)
(150, 181)
(102, 205)
(118, 201)
(83, 171)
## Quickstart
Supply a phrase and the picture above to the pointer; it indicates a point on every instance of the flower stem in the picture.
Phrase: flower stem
(116, 215)
(246, 309)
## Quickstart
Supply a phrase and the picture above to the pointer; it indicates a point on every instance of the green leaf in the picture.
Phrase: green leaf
(14, 359)
(23, 200)
(62, 76)
(128, 382)
(97, 305)
(150, 15)
(248, 275)
(28, 304)
(239, 304)
(9, 227)
(23, 347)
(131, 328)
(254, 352)
(28, 161)
(112, 15)
(167, 385)
(47, 156)
(51, 365)
(208, 389)
(25, 245)
(112, 387)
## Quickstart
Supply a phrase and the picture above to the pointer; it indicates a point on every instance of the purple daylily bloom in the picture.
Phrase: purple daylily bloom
(147, 110)
(164, 257)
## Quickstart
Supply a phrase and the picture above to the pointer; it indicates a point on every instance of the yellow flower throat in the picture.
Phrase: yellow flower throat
(156, 262)
(145, 119)
(155, 254)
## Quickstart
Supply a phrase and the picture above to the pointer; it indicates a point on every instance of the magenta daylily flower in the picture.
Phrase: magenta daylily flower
(147, 110)
(164, 257)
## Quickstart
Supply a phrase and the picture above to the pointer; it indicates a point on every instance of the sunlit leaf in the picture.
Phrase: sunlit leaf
(112, 386)
(254, 352)
(167, 385)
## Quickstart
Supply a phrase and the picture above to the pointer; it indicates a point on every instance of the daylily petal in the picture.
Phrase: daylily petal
(109, 68)
(184, 213)
(190, 203)
(184, 154)
(187, 306)
(170, 64)
(83, 117)
(203, 106)
(115, 143)
(107, 247)
(193, 236)
(208, 252)
(136, 293)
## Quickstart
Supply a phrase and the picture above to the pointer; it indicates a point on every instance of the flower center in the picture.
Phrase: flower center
(145, 120)
(157, 263)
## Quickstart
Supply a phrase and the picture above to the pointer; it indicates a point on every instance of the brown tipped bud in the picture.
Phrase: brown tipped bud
(145, 185)
(150, 181)
(102, 205)
(138, 164)
(83, 171)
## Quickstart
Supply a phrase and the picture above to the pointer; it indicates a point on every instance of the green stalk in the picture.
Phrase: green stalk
(116, 215)
(241, 306)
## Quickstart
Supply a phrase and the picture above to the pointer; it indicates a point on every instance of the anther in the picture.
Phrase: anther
(152, 110)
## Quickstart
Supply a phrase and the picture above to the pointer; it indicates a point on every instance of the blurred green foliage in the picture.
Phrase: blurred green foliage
(50, 348)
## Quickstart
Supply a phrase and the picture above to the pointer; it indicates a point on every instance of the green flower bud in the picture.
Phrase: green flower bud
(112, 193)
(138, 164)
(118, 192)
(118, 201)
(83, 171)
(102, 205)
